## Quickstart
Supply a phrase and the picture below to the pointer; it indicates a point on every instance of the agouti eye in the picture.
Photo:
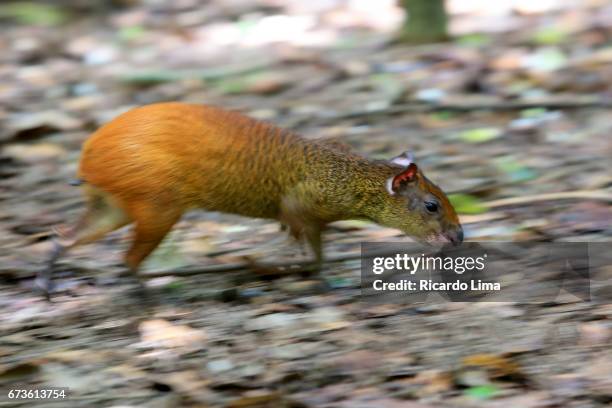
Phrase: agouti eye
(431, 206)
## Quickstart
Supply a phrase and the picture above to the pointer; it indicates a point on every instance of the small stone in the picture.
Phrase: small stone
(596, 333)
(252, 370)
(569, 385)
(288, 352)
(326, 315)
(356, 68)
(219, 366)
(472, 378)
(270, 84)
(101, 55)
(84, 88)
(263, 114)
(431, 95)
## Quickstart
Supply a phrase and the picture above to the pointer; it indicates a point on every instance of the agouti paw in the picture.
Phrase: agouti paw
(44, 286)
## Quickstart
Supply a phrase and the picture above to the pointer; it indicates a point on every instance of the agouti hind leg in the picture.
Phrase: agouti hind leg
(152, 224)
(101, 217)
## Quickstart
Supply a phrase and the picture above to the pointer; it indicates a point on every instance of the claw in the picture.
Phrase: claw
(142, 292)
(44, 286)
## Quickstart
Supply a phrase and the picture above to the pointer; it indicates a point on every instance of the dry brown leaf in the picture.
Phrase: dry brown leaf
(261, 400)
(159, 333)
(496, 365)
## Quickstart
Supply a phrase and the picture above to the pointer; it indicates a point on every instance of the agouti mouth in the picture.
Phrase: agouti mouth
(456, 236)
(450, 237)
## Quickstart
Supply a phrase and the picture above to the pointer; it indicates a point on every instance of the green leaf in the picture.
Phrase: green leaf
(175, 287)
(480, 135)
(547, 59)
(337, 282)
(245, 26)
(233, 86)
(347, 43)
(533, 112)
(131, 33)
(388, 84)
(467, 204)
(34, 13)
(159, 75)
(550, 36)
(515, 171)
(444, 115)
(151, 77)
(474, 40)
(482, 392)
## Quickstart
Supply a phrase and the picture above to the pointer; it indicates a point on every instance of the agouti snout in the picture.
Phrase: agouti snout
(151, 164)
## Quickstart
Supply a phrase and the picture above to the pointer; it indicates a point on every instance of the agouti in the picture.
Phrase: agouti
(152, 164)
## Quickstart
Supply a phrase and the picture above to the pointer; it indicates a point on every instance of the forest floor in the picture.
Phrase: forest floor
(522, 113)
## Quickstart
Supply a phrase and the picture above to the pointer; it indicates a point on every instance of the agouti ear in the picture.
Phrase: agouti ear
(403, 159)
(397, 183)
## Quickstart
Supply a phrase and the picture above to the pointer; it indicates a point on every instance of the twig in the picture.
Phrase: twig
(486, 217)
(575, 103)
(150, 76)
(563, 195)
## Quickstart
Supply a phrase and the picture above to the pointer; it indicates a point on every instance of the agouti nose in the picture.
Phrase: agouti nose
(456, 237)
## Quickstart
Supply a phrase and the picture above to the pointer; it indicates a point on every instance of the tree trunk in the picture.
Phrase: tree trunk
(425, 21)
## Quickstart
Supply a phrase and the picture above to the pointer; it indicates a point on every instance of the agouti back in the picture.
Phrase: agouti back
(152, 164)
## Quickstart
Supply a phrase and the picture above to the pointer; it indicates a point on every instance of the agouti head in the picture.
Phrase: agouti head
(418, 207)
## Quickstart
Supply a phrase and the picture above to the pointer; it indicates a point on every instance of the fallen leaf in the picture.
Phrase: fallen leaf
(467, 204)
(33, 153)
(482, 392)
(260, 400)
(480, 135)
(161, 334)
(497, 366)
(550, 35)
(546, 60)
(31, 13)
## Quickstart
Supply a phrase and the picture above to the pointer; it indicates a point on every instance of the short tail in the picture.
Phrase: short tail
(76, 182)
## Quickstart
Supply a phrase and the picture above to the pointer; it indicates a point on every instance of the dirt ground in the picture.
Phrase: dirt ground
(515, 125)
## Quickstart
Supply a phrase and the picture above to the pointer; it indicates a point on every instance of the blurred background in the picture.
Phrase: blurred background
(506, 105)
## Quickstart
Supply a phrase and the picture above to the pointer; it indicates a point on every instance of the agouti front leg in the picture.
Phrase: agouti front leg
(313, 235)
(296, 215)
